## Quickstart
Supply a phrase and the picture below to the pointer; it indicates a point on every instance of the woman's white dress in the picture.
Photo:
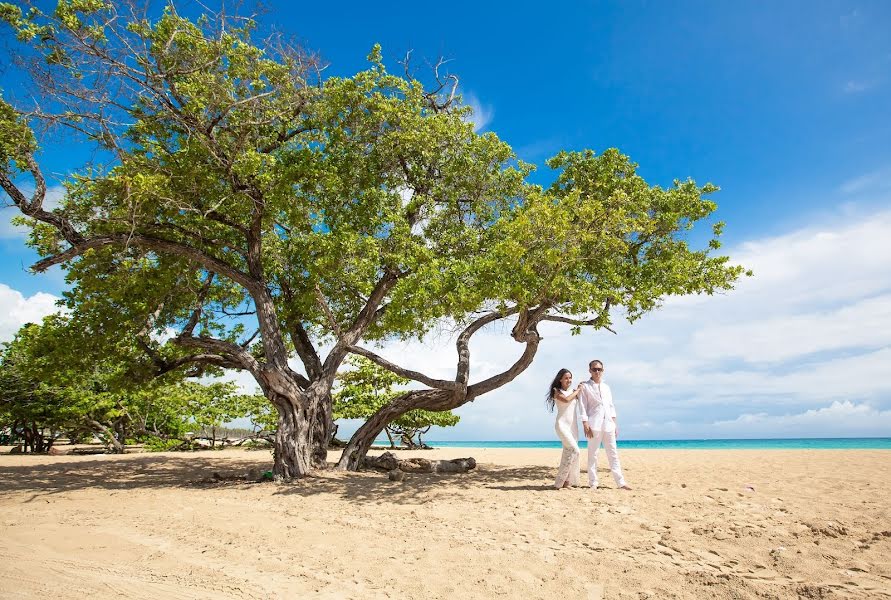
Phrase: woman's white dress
(568, 432)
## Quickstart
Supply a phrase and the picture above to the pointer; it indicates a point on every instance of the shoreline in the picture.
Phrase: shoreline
(870, 443)
(699, 524)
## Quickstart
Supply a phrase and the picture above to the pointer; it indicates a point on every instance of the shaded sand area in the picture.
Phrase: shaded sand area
(699, 524)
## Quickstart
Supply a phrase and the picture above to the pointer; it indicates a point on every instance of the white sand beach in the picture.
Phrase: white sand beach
(698, 524)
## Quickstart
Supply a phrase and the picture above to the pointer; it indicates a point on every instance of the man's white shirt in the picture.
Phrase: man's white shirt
(596, 406)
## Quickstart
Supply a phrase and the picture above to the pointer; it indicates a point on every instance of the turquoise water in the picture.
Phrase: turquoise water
(883, 443)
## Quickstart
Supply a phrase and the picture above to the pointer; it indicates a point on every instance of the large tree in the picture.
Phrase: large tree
(246, 209)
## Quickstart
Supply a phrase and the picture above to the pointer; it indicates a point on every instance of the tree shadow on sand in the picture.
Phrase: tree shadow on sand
(213, 472)
(417, 488)
(133, 471)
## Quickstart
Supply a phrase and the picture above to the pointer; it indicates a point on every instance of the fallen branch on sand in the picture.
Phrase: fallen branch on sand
(389, 462)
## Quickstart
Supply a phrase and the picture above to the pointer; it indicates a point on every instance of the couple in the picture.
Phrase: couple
(594, 400)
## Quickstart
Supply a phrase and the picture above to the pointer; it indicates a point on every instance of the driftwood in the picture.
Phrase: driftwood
(389, 462)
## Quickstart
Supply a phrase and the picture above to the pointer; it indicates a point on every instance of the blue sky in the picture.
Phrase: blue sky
(785, 107)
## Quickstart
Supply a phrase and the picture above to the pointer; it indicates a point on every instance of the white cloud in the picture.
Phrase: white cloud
(857, 419)
(482, 115)
(863, 324)
(18, 310)
(815, 266)
(243, 380)
(53, 199)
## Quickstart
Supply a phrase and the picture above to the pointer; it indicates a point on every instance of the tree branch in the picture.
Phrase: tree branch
(154, 243)
(217, 360)
(595, 322)
(248, 341)
(365, 317)
(440, 384)
(505, 377)
(201, 295)
(305, 349)
(580, 322)
(227, 350)
(34, 207)
(462, 374)
(323, 304)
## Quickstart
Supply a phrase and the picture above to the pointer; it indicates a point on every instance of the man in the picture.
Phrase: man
(599, 422)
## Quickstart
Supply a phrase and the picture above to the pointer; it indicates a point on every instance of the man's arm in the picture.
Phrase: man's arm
(612, 408)
(583, 396)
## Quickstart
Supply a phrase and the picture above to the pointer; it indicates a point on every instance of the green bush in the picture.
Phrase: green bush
(156, 444)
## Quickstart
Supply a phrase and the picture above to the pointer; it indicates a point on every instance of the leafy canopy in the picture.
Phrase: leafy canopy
(230, 158)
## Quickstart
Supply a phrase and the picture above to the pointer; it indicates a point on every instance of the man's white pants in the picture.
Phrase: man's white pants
(612, 453)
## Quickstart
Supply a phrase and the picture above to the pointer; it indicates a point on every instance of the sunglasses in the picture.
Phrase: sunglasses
(597, 369)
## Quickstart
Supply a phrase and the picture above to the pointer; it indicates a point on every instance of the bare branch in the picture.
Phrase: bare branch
(199, 304)
(34, 207)
(440, 384)
(505, 377)
(227, 350)
(580, 322)
(323, 303)
(248, 341)
(463, 343)
(216, 360)
(305, 349)
(405, 62)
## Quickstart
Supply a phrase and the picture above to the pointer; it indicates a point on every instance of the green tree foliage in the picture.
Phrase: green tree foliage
(365, 388)
(208, 406)
(263, 417)
(247, 209)
(51, 384)
(34, 410)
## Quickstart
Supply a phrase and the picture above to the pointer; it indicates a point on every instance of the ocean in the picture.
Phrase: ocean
(881, 443)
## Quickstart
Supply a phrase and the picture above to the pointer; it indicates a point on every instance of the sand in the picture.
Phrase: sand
(698, 524)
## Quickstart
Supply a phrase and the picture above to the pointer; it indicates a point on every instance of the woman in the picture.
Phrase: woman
(566, 427)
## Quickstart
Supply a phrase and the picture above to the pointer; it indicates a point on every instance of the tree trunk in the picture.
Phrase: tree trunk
(358, 446)
(293, 442)
(323, 432)
(111, 440)
(120, 434)
(28, 439)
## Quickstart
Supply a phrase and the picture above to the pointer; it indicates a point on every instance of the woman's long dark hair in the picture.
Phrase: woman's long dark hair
(555, 385)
